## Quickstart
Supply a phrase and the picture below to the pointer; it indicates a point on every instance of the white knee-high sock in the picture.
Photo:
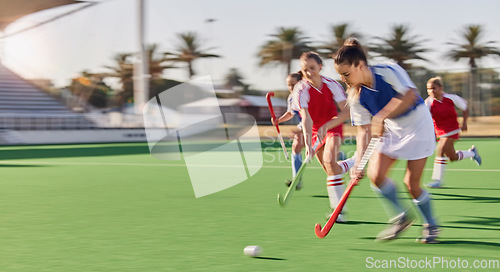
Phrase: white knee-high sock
(335, 188)
(440, 164)
(347, 164)
(464, 154)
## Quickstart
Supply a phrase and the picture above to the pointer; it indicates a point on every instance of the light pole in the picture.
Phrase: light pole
(209, 22)
(141, 69)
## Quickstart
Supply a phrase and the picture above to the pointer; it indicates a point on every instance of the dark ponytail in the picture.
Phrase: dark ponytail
(297, 76)
(350, 53)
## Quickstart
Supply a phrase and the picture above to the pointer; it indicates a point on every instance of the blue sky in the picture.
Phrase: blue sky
(89, 39)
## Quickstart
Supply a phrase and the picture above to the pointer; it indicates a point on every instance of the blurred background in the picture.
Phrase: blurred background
(81, 71)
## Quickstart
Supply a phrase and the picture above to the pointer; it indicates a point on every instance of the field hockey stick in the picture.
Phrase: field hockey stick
(329, 224)
(270, 105)
(298, 176)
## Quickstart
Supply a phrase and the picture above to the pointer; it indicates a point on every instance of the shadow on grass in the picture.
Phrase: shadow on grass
(270, 258)
(20, 165)
(479, 220)
(468, 188)
(480, 199)
(469, 243)
(353, 222)
(485, 221)
(325, 196)
(442, 242)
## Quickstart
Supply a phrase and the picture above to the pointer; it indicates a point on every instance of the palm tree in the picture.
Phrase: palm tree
(473, 49)
(400, 46)
(124, 69)
(157, 62)
(287, 44)
(233, 79)
(188, 50)
(339, 34)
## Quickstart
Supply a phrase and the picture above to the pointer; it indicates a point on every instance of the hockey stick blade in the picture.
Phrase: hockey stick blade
(283, 200)
(322, 232)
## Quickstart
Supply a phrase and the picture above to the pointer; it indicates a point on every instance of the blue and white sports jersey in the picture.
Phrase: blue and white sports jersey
(291, 107)
(390, 80)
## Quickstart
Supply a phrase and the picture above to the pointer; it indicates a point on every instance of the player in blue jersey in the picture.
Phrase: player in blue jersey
(298, 138)
(385, 103)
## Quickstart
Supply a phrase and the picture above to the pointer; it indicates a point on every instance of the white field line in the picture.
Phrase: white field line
(29, 162)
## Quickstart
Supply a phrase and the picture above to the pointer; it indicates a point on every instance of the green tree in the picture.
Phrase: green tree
(188, 49)
(473, 49)
(400, 46)
(233, 79)
(287, 44)
(89, 89)
(339, 34)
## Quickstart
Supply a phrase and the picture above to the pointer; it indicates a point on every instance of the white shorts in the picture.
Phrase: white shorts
(410, 137)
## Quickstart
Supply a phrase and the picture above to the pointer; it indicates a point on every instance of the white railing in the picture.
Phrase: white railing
(95, 120)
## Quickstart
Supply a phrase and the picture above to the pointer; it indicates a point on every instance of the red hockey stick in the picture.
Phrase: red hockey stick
(329, 224)
(270, 105)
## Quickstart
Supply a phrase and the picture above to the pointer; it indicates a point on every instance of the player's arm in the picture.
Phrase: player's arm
(461, 104)
(465, 115)
(307, 130)
(396, 106)
(285, 117)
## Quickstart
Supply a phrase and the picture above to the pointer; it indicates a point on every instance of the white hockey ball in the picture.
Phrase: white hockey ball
(252, 251)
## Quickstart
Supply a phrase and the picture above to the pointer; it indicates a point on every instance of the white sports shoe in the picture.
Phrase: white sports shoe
(342, 218)
(429, 235)
(395, 227)
(476, 157)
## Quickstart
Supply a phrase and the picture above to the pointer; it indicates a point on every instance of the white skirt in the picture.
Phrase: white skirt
(410, 137)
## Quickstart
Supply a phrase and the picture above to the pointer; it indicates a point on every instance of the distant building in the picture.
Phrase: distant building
(257, 107)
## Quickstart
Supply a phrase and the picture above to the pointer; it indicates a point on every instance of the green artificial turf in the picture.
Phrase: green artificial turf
(113, 207)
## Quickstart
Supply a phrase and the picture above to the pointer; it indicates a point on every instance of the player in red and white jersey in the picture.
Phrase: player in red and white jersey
(323, 108)
(442, 107)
